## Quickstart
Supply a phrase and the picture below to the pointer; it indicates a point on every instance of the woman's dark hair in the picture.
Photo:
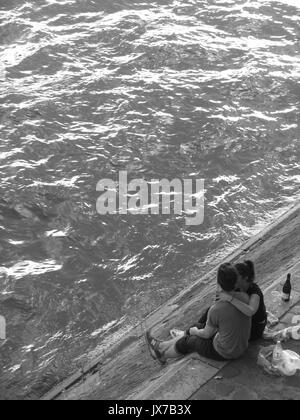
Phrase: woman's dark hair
(246, 269)
(227, 277)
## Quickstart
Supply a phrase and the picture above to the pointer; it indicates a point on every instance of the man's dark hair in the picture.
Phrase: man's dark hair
(227, 277)
(246, 270)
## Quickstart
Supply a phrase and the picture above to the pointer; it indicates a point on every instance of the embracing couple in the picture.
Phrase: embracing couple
(223, 333)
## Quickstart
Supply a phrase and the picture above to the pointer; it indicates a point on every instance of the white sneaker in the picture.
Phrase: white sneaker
(175, 333)
(272, 320)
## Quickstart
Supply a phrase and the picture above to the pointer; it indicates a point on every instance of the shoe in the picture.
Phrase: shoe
(153, 346)
(272, 320)
(269, 334)
(175, 333)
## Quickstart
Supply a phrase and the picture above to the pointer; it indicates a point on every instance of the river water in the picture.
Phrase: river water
(161, 89)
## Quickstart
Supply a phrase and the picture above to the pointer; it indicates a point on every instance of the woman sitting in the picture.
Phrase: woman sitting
(256, 307)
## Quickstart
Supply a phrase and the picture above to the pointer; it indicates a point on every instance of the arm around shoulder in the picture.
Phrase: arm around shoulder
(249, 309)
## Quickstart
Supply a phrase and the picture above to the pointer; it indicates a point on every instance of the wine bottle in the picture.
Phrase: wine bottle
(287, 289)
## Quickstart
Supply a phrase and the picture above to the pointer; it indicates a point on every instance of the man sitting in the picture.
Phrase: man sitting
(225, 335)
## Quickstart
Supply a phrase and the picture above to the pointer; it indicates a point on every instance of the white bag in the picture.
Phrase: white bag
(290, 363)
(290, 333)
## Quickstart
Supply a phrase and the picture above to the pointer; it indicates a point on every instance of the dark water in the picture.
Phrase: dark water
(208, 89)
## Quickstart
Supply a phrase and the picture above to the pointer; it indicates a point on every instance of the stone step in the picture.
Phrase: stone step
(179, 381)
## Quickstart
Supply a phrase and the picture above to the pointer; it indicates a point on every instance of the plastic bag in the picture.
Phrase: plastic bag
(288, 366)
(286, 334)
(264, 360)
(290, 363)
(289, 333)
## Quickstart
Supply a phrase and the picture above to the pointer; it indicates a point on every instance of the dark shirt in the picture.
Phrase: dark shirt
(261, 314)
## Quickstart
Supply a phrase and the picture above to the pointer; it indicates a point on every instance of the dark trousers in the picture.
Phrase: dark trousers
(204, 347)
(201, 323)
(257, 330)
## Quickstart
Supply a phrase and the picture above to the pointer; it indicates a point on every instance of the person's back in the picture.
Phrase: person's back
(225, 335)
(234, 329)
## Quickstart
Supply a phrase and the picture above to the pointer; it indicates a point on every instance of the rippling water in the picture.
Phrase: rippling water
(162, 88)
